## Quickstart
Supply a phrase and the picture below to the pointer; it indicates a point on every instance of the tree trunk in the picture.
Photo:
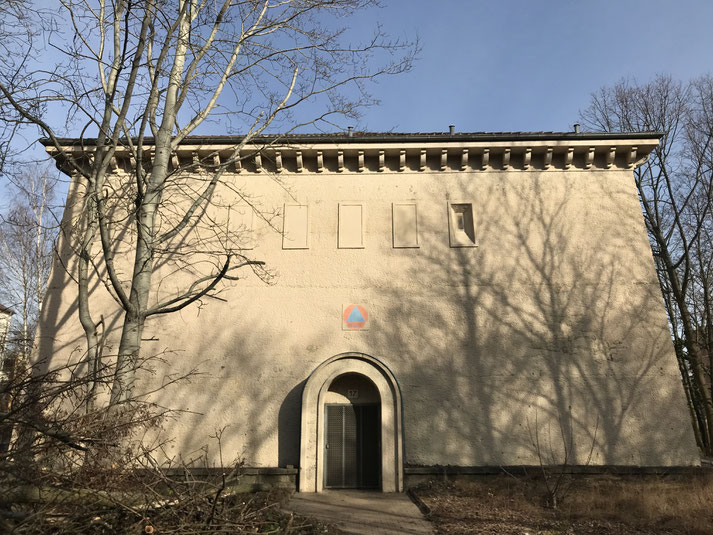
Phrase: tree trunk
(134, 319)
(694, 356)
(127, 359)
(93, 358)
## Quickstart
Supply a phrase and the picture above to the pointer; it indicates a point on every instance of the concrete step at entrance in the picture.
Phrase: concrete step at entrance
(358, 512)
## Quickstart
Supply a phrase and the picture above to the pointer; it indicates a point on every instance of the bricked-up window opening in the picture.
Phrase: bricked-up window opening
(405, 224)
(461, 225)
(351, 226)
(295, 227)
(242, 218)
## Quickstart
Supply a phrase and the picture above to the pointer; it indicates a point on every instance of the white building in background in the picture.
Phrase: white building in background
(5, 370)
(437, 300)
(5, 317)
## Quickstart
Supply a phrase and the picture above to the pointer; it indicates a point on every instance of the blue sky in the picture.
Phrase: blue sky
(507, 65)
(516, 65)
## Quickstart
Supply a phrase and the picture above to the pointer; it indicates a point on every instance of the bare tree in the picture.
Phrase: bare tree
(27, 234)
(675, 189)
(141, 77)
(98, 472)
(22, 25)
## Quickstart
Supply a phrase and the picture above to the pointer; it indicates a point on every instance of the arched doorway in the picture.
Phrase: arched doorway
(372, 414)
(352, 433)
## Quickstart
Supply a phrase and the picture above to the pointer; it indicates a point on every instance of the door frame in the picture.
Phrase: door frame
(312, 418)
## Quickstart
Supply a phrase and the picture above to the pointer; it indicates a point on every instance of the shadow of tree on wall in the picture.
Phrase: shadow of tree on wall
(222, 388)
(553, 319)
(550, 322)
(59, 330)
(243, 387)
(288, 427)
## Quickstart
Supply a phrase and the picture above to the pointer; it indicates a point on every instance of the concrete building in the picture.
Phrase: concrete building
(463, 300)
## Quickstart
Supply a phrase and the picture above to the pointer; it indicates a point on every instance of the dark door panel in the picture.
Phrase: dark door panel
(353, 446)
(370, 442)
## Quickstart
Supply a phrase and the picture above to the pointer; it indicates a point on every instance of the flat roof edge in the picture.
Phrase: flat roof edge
(344, 138)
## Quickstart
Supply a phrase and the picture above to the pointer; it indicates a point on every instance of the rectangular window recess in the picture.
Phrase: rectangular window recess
(242, 219)
(461, 225)
(405, 224)
(295, 227)
(350, 234)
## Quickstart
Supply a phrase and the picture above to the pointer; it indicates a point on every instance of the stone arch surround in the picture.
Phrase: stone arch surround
(312, 435)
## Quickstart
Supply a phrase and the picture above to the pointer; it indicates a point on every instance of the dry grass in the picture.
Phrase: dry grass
(235, 514)
(675, 502)
(591, 505)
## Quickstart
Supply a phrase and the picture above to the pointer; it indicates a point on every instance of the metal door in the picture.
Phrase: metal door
(353, 446)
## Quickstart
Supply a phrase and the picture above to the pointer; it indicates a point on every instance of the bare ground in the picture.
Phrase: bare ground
(622, 505)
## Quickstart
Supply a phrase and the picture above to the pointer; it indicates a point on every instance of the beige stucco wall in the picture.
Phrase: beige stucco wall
(556, 315)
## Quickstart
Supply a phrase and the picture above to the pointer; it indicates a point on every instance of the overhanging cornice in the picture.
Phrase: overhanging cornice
(387, 152)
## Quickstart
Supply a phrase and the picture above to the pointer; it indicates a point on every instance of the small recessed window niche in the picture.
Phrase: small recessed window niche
(461, 225)
(351, 226)
(242, 219)
(405, 224)
(295, 228)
